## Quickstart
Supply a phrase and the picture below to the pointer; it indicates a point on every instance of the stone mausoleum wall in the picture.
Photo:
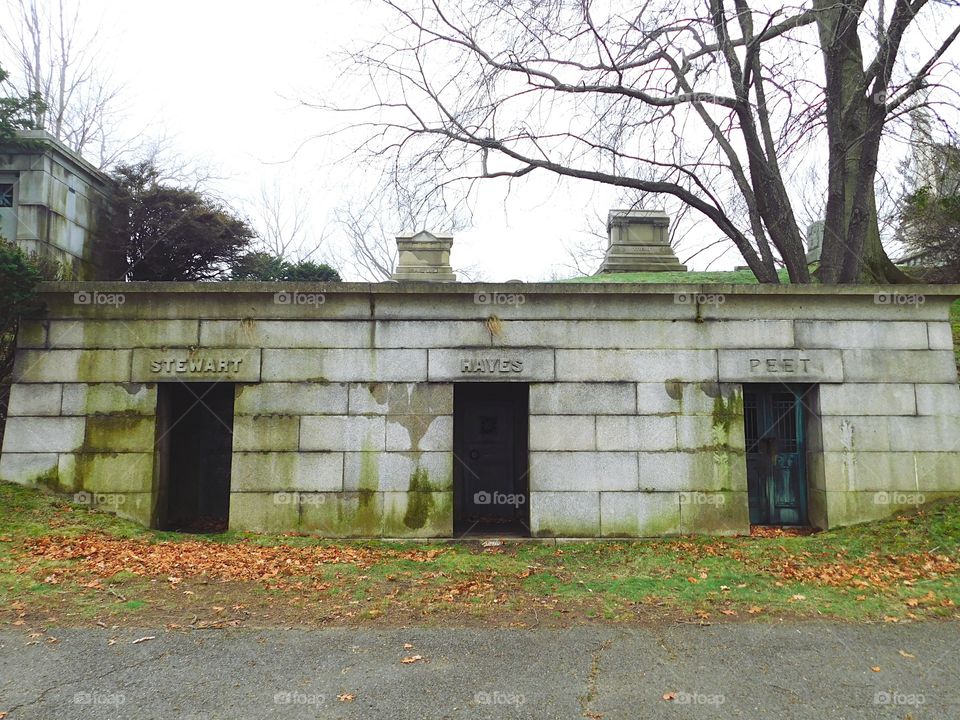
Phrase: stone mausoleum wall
(343, 419)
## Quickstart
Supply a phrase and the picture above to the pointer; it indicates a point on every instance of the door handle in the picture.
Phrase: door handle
(474, 454)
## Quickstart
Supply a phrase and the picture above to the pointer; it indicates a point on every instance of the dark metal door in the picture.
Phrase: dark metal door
(490, 448)
(776, 455)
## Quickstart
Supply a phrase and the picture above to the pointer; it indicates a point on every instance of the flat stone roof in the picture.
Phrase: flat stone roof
(457, 288)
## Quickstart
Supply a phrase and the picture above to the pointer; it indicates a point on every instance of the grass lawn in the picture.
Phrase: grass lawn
(63, 565)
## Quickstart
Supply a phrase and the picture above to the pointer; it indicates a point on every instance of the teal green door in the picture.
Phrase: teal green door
(773, 418)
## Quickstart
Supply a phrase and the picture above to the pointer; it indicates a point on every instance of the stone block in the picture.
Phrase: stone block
(417, 514)
(491, 364)
(119, 433)
(69, 473)
(707, 471)
(290, 471)
(582, 398)
(858, 471)
(770, 365)
(867, 399)
(303, 334)
(267, 432)
(943, 399)
(418, 432)
(398, 471)
(852, 433)
(70, 366)
(30, 399)
(291, 399)
(564, 432)
(644, 334)
(842, 334)
(137, 507)
(565, 514)
(196, 365)
(130, 334)
(819, 307)
(636, 432)
(257, 333)
(344, 365)
(377, 398)
(32, 334)
(817, 509)
(263, 512)
(940, 336)
(639, 514)
(938, 471)
(109, 398)
(508, 302)
(43, 434)
(583, 471)
(37, 468)
(697, 432)
(925, 433)
(850, 508)
(719, 513)
(897, 366)
(342, 514)
(400, 334)
(636, 365)
(660, 398)
(127, 472)
(342, 432)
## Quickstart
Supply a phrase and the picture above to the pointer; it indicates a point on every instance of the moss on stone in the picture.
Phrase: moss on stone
(49, 479)
(419, 500)
(726, 412)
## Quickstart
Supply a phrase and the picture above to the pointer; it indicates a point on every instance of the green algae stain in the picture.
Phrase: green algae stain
(419, 500)
(727, 412)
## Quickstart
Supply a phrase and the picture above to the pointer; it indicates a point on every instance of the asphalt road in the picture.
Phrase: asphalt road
(774, 670)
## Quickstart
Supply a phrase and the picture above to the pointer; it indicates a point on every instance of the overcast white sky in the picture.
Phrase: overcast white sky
(223, 81)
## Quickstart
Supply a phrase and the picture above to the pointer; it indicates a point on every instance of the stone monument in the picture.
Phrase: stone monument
(639, 242)
(424, 257)
(814, 241)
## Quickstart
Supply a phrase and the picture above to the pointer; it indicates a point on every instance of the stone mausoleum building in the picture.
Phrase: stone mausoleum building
(432, 409)
(50, 203)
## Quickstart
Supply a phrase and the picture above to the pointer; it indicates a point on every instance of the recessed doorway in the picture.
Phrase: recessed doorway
(490, 477)
(194, 450)
(774, 418)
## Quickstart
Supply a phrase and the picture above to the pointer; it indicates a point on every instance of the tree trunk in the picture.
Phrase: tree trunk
(852, 251)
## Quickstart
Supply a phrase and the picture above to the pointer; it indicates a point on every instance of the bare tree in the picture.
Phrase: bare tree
(720, 105)
(52, 60)
(370, 226)
(371, 251)
(282, 221)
